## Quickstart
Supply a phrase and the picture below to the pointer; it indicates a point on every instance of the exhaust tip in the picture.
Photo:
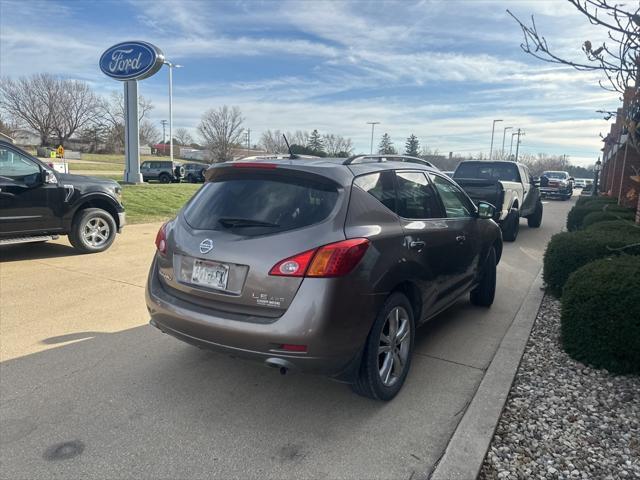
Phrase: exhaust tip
(282, 365)
(283, 370)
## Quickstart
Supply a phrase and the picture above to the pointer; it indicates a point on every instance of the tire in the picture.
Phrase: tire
(93, 230)
(485, 291)
(535, 219)
(164, 178)
(511, 226)
(369, 382)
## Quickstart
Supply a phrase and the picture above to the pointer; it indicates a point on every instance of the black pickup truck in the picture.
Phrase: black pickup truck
(506, 185)
(38, 204)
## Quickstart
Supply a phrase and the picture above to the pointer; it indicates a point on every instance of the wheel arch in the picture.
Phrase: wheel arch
(97, 201)
(412, 292)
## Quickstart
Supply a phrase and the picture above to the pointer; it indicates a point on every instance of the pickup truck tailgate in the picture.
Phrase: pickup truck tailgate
(486, 190)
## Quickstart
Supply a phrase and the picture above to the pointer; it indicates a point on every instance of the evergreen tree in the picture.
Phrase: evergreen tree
(412, 146)
(386, 145)
(315, 142)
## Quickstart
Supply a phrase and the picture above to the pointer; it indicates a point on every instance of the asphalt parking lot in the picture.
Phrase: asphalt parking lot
(89, 390)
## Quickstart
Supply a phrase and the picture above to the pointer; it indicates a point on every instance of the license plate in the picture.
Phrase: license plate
(210, 274)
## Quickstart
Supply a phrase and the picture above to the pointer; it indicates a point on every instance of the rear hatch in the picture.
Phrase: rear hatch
(238, 226)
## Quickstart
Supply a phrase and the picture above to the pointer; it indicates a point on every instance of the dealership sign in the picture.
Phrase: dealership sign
(131, 60)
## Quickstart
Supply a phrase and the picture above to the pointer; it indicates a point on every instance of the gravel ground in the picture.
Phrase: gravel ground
(563, 419)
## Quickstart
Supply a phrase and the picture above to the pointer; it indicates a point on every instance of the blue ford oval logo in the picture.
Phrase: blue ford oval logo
(206, 245)
(131, 60)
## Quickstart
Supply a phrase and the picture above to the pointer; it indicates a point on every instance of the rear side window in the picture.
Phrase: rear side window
(381, 186)
(416, 197)
(255, 204)
(507, 172)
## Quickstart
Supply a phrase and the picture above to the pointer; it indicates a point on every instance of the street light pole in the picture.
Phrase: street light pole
(504, 132)
(373, 125)
(493, 128)
(171, 67)
(596, 174)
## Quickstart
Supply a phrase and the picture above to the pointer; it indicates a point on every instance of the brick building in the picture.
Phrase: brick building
(620, 176)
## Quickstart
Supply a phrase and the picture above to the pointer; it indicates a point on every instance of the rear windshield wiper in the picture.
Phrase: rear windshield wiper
(245, 222)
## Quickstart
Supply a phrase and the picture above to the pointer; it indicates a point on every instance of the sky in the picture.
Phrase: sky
(440, 69)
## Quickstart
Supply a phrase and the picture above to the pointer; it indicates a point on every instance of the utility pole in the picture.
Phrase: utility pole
(164, 136)
(171, 67)
(248, 134)
(511, 146)
(504, 132)
(373, 125)
(493, 128)
(520, 132)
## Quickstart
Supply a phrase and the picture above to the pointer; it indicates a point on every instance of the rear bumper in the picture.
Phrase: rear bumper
(331, 321)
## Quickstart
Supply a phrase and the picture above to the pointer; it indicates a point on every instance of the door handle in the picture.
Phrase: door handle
(416, 244)
(460, 238)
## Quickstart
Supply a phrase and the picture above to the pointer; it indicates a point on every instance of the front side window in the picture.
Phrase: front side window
(455, 203)
(416, 196)
(16, 166)
(381, 186)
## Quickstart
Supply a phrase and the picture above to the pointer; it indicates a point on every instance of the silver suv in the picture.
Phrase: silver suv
(325, 266)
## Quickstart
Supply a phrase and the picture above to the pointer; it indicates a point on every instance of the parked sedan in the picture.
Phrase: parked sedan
(324, 266)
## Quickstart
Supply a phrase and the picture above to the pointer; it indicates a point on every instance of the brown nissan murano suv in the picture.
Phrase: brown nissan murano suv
(325, 266)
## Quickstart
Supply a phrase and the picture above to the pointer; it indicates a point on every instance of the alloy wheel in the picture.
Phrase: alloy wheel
(394, 346)
(96, 231)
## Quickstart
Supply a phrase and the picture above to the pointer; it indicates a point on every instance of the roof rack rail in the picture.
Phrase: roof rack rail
(385, 158)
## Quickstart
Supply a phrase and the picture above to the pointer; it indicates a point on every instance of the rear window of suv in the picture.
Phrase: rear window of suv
(507, 172)
(256, 204)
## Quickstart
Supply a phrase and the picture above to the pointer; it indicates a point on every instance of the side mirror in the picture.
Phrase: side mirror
(572, 179)
(544, 182)
(486, 210)
(48, 177)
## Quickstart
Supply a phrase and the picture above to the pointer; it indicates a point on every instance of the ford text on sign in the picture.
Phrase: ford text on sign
(131, 60)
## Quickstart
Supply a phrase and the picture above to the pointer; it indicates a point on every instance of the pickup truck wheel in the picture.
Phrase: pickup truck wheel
(511, 226)
(387, 354)
(164, 178)
(485, 292)
(535, 219)
(93, 230)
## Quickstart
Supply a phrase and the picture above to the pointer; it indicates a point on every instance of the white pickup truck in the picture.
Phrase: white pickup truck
(506, 185)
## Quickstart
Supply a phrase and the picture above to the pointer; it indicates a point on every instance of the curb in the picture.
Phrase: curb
(468, 446)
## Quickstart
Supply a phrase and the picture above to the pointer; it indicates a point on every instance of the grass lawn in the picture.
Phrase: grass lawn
(118, 157)
(151, 203)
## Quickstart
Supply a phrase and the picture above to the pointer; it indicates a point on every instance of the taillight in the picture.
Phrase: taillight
(333, 260)
(295, 266)
(161, 240)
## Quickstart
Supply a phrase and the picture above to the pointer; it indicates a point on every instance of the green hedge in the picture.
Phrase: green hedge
(568, 251)
(601, 200)
(576, 215)
(600, 323)
(624, 226)
(596, 217)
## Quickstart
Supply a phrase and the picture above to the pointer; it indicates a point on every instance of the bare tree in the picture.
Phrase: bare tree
(111, 116)
(76, 107)
(617, 58)
(221, 131)
(183, 137)
(299, 137)
(273, 142)
(337, 145)
(31, 101)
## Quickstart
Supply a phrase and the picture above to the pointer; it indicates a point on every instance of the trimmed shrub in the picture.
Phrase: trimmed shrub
(624, 226)
(600, 323)
(596, 217)
(577, 213)
(582, 201)
(568, 251)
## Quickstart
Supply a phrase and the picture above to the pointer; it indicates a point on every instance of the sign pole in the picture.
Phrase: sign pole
(131, 133)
